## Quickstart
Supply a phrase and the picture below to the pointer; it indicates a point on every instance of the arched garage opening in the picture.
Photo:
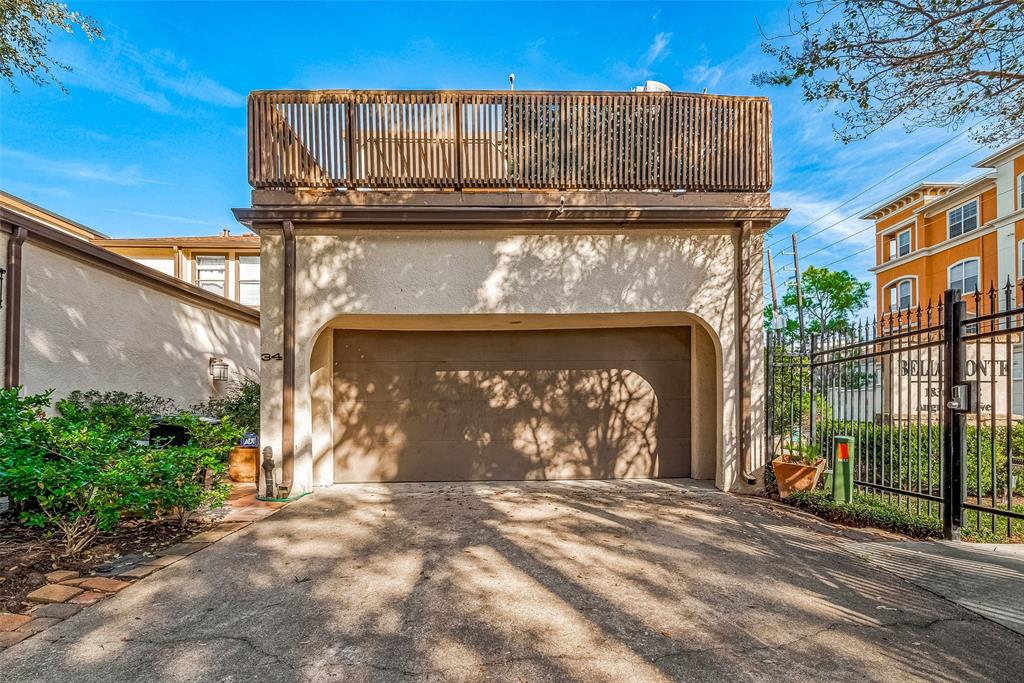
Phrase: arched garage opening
(515, 397)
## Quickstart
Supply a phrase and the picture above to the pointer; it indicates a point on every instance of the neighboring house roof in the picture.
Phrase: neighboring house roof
(965, 190)
(944, 190)
(228, 241)
(45, 235)
(36, 212)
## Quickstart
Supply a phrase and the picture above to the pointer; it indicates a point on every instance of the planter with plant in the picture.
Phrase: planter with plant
(241, 406)
(798, 467)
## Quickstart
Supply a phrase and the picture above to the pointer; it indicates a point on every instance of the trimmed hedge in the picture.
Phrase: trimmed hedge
(866, 511)
(898, 457)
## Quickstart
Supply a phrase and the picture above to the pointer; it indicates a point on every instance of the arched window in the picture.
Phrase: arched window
(901, 294)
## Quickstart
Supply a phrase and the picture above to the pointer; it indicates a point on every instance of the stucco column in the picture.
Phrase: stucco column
(271, 343)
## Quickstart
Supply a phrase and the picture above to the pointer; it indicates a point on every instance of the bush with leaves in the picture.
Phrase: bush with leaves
(82, 471)
(909, 456)
(74, 473)
(867, 510)
(241, 405)
(187, 478)
(143, 406)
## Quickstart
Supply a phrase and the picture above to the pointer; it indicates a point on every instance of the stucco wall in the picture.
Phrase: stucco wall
(344, 276)
(86, 328)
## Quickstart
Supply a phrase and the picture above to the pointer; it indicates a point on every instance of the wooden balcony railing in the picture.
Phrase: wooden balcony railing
(509, 140)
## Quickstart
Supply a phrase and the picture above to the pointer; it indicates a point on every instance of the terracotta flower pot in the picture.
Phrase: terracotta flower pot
(796, 476)
(242, 463)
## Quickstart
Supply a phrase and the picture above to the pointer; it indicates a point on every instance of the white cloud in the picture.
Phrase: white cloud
(156, 79)
(658, 48)
(166, 217)
(705, 74)
(656, 51)
(79, 170)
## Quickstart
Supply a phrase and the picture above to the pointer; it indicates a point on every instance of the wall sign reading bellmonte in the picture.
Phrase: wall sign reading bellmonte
(916, 386)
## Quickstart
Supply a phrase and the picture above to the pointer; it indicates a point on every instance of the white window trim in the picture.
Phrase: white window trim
(1020, 259)
(1020, 191)
(949, 273)
(248, 281)
(912, 279)
(977, 227)
(910, 242)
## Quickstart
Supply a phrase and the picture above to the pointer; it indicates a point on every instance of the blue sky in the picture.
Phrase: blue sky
(151, 138)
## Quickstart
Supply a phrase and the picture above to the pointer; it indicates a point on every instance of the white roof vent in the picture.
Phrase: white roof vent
(652, 86)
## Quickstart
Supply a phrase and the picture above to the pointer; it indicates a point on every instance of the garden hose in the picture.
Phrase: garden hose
(282, 500)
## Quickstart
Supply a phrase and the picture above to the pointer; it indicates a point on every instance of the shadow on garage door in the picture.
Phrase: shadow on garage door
(511, 405)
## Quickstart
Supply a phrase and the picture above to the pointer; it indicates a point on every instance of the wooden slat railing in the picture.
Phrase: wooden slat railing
(509, 140)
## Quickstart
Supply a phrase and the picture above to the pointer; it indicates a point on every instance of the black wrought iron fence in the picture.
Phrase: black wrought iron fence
(933, 397)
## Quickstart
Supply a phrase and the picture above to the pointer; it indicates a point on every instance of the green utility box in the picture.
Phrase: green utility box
(842, 470)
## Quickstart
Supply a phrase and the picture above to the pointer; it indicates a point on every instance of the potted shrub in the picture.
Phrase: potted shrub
(798, 467)
(242, 406)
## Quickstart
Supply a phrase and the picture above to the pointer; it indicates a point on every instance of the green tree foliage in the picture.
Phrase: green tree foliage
(831, 298)
(926, 63)
(25, 29)
(241, 405)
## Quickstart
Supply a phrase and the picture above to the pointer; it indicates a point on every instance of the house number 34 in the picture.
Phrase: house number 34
(271, 356)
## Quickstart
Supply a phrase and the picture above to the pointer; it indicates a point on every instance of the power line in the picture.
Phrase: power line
(871, 187)
(872, 227)
(872, 246)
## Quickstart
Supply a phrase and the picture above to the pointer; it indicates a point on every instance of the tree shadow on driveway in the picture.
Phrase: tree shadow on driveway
(629, 580)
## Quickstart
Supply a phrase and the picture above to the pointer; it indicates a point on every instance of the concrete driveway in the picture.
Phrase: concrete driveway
(595, 581)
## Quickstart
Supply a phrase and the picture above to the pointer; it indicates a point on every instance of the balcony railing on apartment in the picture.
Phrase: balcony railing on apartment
(508, 140)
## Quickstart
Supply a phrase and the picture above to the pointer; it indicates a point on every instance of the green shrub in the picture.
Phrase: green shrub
(85, 469)
(186, 478)
(79, 476)
(899, 457)
(190, 477)
(867, 510)
(241, 405)
(143, 405)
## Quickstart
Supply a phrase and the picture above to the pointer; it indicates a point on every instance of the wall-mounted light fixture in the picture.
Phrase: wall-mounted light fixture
(218, 370)
(3, 271)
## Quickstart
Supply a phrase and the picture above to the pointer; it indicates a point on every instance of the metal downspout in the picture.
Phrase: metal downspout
(743, 352)
(12, 320)
(288, 394)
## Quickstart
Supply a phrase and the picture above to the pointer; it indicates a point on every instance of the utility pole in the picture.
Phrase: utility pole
(775, 295)
(799, 293)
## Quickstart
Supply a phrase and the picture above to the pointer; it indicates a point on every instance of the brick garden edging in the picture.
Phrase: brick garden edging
(66, 593)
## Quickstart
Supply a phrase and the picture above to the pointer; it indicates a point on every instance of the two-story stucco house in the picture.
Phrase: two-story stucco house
(510, 285)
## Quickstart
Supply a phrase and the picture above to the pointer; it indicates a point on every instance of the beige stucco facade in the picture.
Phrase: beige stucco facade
(433, 277)
(88, 329)
(94, 320)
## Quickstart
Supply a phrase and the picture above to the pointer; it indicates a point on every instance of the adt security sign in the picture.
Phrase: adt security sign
(250, 440)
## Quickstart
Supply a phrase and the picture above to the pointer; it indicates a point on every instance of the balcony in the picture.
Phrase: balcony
(507, 141)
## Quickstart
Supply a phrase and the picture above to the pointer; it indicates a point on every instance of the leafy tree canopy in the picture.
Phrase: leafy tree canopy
(25, 29)
(831, 298)
(926, 62)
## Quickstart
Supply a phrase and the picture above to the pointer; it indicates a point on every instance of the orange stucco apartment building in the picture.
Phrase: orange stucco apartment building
(960, 235)
(965, 236)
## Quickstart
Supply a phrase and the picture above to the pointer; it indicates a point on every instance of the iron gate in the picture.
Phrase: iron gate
(933, 397)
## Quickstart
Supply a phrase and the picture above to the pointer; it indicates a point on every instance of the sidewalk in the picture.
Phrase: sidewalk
(984, 578)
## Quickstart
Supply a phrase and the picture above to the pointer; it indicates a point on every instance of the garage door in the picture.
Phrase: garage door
(532, 404)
